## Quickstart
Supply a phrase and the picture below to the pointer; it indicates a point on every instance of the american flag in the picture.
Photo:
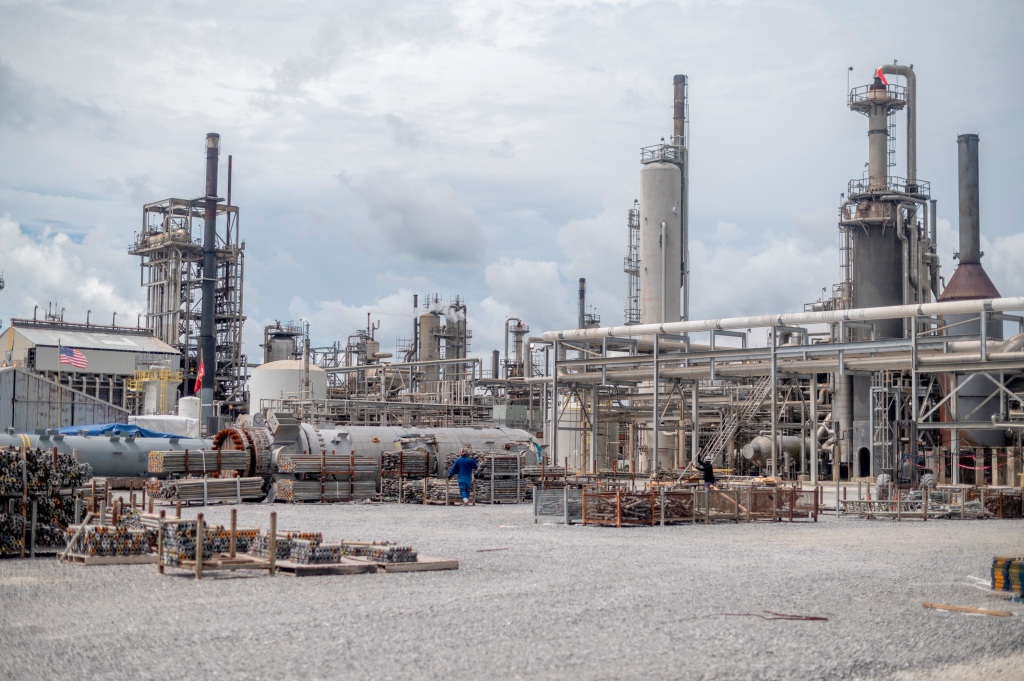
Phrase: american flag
(73, 356)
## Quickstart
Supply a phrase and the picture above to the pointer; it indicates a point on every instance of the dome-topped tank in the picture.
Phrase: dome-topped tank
(272, 382)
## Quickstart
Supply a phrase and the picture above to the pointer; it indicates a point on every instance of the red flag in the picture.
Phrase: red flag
(881, 76)
(199, 377)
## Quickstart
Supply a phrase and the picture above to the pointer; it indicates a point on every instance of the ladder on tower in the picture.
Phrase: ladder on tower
(730, 425)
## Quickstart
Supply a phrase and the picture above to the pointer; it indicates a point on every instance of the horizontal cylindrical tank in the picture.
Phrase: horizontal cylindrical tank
(274, 381)
(660, 242)
(113, 456)
(759, 450)
(373, 440)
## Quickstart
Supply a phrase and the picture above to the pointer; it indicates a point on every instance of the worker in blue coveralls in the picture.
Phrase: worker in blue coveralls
(464, 466)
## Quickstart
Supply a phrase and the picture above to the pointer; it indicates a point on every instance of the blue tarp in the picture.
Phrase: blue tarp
(110, 429)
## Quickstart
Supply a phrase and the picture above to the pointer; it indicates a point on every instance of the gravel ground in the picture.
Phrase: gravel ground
(554, 602)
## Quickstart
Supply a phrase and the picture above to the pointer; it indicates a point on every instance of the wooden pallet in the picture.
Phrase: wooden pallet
(347, 566)
(111, 560)
(422, 564)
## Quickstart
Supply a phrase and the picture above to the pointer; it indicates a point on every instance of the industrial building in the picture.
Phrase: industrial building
(58, 373)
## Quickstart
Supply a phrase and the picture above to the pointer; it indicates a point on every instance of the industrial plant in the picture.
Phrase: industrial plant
(898, 376)
(895, 395)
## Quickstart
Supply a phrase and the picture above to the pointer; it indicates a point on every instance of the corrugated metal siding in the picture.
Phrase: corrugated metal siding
(29, 403)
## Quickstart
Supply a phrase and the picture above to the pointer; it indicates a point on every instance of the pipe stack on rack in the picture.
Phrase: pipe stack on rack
(324, 491)
(331, 465)
(107, 540)
(210, 490)
(46, 481)
(406, 463)
(380, 552)
(404, 491)
(443, 491)
(499, 478)
(198, 462)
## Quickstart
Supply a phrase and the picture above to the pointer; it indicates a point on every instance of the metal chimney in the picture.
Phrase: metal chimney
(207, 338)
(970, 219)
(581, 314)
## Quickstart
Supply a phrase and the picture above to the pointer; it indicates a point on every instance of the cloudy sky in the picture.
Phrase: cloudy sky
(486, 149)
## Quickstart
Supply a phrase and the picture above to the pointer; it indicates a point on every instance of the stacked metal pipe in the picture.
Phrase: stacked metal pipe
(198, 462)
(405, 491)
(332, 465)
(107, 540)
(409, 463)
(326, 491)
(380, 552)
(210, 490)
(439, 491)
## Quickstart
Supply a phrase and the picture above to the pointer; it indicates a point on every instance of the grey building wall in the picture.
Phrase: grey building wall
(29, 403)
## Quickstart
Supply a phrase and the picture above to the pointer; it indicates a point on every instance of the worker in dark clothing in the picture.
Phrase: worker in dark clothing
(464, 467)
(708, 469)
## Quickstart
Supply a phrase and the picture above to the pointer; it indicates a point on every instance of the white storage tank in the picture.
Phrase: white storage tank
(190, 407)
(272, 382)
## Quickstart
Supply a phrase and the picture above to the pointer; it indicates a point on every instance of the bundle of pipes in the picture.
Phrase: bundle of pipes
(260, 546)
(405, 491)
(36, 471)
(493, 465)
(211, 490)
(1008, 574)
(359, 466)
(199, 462)
(534, 471)
(324, 490)
(12, 534)
(106, 540)
(379, 552)
(179, 542)
(408, 463)
(218, 539)
(441, 491)
(37, 486)
(500, 490)
(310, 552)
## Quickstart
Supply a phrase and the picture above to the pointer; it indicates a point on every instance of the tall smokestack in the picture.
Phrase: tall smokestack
(678, 110)
(581, 314)
(207, 339)
(970, 218)
(969, 280)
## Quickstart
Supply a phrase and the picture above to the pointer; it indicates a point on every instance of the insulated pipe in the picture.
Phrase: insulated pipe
(970, 204)
(864, 314)
(908, 73)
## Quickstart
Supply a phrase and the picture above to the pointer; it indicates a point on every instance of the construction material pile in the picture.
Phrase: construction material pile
(107, 540)
(38, 472)
(404, 491)
(199, 462)
(324, 490)
(380, 552)
(443, 491)
(1008, 574)
(1005, 503)
(43, 480)
(260, 546)
(179, 542)
(309, 552)
(406, 463)
(499, 478)
(208, 490)
(357, 466)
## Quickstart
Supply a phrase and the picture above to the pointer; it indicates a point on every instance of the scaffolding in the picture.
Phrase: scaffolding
(171, 251)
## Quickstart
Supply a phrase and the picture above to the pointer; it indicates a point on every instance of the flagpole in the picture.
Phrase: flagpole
(60, 411)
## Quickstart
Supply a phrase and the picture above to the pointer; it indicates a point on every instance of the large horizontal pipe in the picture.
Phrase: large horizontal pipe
(866, 314)
(109, 456)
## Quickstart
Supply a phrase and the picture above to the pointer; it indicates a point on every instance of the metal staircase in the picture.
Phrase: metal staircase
(731, 424)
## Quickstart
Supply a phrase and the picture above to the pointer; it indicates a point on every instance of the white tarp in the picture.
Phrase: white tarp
(174, 425)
